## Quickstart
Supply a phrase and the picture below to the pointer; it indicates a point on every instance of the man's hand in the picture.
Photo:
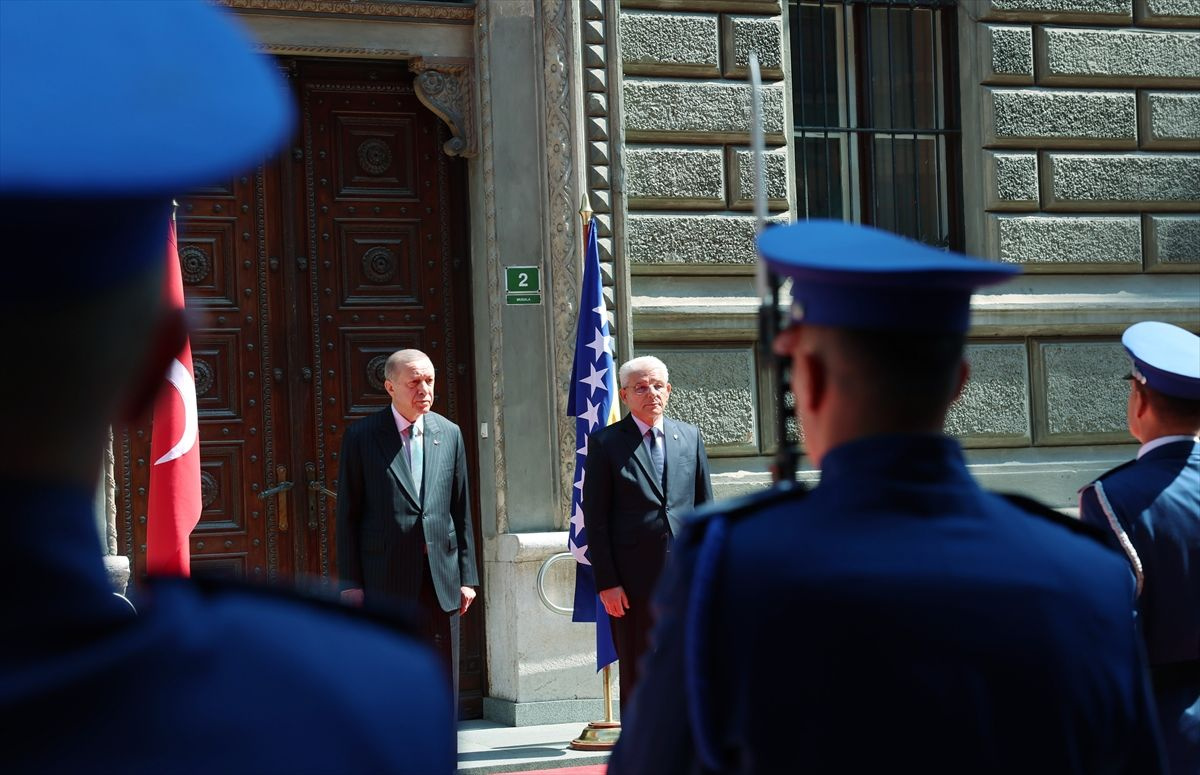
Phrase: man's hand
(352, 597)
(467, 596)
(614, 601)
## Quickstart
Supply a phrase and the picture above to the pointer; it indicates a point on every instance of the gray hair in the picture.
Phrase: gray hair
(642, 363)
(400, 359)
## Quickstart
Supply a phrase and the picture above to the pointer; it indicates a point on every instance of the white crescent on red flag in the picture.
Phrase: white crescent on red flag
(180, 378)
(174, 495)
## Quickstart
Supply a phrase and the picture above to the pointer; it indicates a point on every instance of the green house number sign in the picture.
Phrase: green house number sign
(523, 284)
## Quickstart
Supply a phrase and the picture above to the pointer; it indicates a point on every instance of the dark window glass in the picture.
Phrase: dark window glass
(875, 105)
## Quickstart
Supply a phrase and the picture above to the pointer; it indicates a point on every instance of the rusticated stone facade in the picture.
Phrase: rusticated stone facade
(1082, 165)
(690, 192)
(1081, 139)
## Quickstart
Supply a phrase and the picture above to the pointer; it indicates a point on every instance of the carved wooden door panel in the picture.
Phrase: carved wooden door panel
(303, 278)
(228, 252)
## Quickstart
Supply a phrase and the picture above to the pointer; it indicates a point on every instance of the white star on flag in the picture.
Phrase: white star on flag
(582, 450)
(577, 517)
(579, 553)
(601, 311)
(600, 343)
(582, 476)
(595, 379)
(591, 415)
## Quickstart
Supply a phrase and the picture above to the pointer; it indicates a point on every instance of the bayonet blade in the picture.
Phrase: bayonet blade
(758, 151)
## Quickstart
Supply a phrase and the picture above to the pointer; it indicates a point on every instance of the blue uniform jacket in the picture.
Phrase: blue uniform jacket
(898, 617)
(1150, 509)
(196, 681)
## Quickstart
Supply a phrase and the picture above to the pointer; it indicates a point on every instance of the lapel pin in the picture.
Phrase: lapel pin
(436, 442)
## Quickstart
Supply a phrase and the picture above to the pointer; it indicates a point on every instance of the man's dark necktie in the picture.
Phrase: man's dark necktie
(656, 451)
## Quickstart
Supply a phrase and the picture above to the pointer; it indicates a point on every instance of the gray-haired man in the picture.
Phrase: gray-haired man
(643, 474)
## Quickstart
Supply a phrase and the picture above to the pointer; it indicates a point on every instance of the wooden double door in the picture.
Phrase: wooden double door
(303, 276)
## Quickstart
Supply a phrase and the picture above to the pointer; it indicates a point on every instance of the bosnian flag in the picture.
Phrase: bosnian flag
(592, 402)
(174, 508)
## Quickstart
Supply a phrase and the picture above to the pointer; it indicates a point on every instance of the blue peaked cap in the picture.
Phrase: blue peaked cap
(852, 276)
(1166, 358)
(113, 108)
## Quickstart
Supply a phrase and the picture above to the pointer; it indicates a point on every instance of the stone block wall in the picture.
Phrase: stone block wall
(689, 186)
(1081, 154)
(596, 44)
(1086, 107)
(1081, 163)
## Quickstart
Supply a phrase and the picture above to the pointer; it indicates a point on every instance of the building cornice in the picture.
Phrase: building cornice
(397, 10)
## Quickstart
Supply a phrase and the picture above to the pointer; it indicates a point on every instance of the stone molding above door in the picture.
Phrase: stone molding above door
(446, 88)
(437, 42)
(396, 9)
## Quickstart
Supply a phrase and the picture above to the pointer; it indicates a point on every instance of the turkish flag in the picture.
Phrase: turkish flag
(174, 507)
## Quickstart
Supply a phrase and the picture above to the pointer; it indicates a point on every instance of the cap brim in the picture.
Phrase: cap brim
(1167, 357)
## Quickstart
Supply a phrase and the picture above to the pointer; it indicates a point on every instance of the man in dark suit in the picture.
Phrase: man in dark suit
(897, 617)
(1149, 509)
(404, 508)
(204, 677)
(642, 475)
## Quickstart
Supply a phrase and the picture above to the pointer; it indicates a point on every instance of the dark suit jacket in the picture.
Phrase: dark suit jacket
(625, 510)
(384, 527)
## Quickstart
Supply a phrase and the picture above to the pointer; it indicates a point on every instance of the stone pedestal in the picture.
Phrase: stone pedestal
(541, 665)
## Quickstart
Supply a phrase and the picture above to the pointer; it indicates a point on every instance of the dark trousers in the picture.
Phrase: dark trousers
(631, 637)
(439, 628)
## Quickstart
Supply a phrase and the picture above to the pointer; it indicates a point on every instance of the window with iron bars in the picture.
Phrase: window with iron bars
(876, 115)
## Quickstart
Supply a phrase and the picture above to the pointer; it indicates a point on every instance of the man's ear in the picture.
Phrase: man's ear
(1140, 404)
(814, 377)
(166, 344)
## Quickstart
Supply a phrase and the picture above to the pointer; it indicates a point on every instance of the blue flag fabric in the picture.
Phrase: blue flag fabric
(591, 400)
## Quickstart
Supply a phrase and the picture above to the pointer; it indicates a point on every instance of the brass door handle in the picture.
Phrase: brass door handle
(280, 474)
(318, 487)
(315, 488)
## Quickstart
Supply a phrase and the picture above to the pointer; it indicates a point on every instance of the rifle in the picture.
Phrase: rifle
(770, 323)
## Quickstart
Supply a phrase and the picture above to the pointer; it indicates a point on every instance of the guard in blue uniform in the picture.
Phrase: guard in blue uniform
(1149, 509)
(897, 617)
(106, 110)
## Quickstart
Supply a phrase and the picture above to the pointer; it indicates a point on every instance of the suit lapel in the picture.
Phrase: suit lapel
(433, 452)
(392, 449)
(642, 456)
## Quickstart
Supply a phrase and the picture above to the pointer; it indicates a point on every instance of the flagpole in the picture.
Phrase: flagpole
(597, 735)
(585, 217)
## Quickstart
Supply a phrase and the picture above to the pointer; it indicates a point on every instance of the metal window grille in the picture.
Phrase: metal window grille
(876, 112)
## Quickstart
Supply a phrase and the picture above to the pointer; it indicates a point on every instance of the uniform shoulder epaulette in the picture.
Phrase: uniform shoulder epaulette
(396, 618)
(1106, 474)
(1039, 509)
(1115, 469)
(745, 505)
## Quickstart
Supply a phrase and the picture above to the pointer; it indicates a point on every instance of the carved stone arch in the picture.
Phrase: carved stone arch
(446, 88)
